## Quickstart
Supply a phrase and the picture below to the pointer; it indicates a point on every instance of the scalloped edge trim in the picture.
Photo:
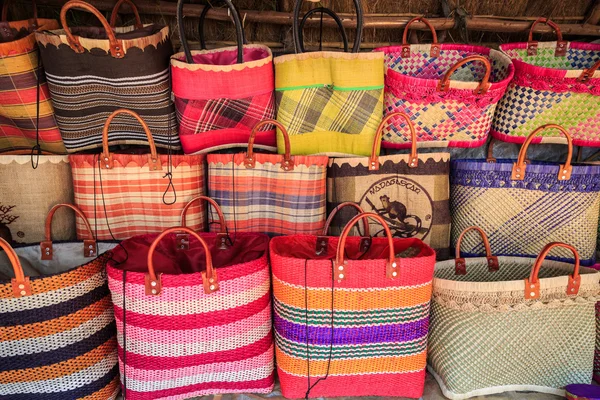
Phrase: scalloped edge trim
(395, 158)
(177, 63)
(6, 159)
(374, 55)
(27, 43)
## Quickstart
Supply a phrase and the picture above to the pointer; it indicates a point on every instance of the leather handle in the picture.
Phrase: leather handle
(116, 49)
(202, 20)
(490, 152)
(33, 24)
(588, 73)
(532, 285)
(222, 236)
(340, 266)
(20, 283)
(153, 282)
(90, 248)
(374, 159)
(484, 85)
(564, 172)
(532, 45)
(288, 162)
(333, 15)
(435, 47)
(106, 159)
(323, 240)
(459, 263)
(115, 13)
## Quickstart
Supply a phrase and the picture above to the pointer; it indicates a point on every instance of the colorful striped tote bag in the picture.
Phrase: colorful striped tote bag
(524, 205)
(349, 322)
(58, 329)
(131, 193)
(269, 193)
(194, 322)
(330, 102)
(94, 71)
(555, 82)
(26, 113)
(410, 191)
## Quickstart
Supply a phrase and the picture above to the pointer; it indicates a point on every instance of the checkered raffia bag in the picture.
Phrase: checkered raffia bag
(524, 205)
(555, 82)
(350, 322)
(450, 91)
(270, 193)
(194, 321)
(94, 71)
(511, 324)
(58, 329)
(127, 194)
(22, 83)
(330, 103)
(410, 191)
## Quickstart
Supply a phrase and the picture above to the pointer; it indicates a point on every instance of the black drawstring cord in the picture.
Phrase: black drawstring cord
(169, 173)
(37, 148)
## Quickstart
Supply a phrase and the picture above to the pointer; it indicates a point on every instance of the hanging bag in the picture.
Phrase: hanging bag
(503, 324)
(221, 94)
(127, 194)
(449, 91)
(409, 191)
(350, 323)
(554, 82)
(58, 331)
(94, 71)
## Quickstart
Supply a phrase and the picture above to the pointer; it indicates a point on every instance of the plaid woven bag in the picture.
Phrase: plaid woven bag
(555, 82)
(26, 114)
(126, 194)
(270, 193)
(94, 71)
(524, 205)
(449, 91)
(193, 322)
(349, 322)
(410, 191)
(330, 103)
(58, 329)
(503, 324)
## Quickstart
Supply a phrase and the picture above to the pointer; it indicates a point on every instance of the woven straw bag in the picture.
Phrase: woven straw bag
(196, 320)
(350, 322)
(524, 205)
(511, 323)
(450, 91)
(554, 82)
(58, 329)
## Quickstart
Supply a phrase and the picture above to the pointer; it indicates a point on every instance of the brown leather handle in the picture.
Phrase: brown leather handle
(484, 85)
(435, 47)
(564, 172)
(222, 237)
(153, 282)
(532, 285)
(374, 159)
(7, 4)
(490, 152)
(288, 162)
(20, 283)
(90, 248)
(459, 263)
(532, 45)
(115, 13)
(340, 267)
(116, 49)
(588, 73)
(338, 208)
(106, 159)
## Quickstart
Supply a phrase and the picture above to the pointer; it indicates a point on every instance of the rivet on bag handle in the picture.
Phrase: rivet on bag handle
(532, 45)
(106, 158)
(532, 285)
(460, 267)
(115, 13)
(20, 283)
(484, 85)
(333, 15)
(323, 239)
(564, 172)
(33, 22)
(374, 159)
(392, 267)
(116, 49)
(90, 248)
(435, 47)
(183, 239)
(588, 73)
(250, 162)
(153, 282)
